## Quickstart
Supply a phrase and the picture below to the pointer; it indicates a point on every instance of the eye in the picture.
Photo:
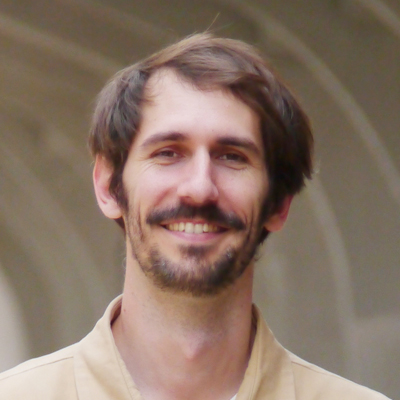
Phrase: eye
(233, 157)
(167, 154)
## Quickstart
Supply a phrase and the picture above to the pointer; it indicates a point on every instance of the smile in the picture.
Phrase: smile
(190, 227)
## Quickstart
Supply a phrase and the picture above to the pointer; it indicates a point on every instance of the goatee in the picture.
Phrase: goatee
(193, 274)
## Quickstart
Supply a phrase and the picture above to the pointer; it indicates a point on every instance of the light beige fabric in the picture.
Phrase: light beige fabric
(93, 370)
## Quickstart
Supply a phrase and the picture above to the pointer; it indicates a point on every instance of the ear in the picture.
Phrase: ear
(101, 179)
(277, 221)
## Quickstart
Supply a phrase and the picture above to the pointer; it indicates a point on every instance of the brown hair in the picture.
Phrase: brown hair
(210, 63)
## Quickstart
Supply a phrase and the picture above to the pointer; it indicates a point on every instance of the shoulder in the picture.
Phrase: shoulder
(315, 382)
(45, 377)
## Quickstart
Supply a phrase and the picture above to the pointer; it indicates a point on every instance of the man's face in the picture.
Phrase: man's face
(195, 181)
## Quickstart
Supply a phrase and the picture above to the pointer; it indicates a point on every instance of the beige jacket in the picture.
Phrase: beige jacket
(93, 370)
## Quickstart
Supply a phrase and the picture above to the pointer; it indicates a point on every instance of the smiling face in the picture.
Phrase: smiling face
(195, 181)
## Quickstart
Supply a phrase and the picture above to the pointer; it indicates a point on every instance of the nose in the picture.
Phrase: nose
(198, 185)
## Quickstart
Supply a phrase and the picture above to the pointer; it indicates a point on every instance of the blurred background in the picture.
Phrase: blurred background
(328, 284)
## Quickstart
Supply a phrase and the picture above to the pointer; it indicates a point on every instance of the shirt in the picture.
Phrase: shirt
(93, 369)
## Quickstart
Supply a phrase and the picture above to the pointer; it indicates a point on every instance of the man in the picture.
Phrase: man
(199, 150)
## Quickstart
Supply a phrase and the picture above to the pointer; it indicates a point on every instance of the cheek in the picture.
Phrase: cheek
(246, 192)
(153, 188)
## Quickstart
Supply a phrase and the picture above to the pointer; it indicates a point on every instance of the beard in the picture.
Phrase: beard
(193, 274)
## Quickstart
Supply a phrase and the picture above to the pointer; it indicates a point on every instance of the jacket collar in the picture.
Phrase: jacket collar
(101, 374)
(269, 374)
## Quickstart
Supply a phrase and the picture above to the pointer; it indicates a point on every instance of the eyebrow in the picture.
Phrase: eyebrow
(239, 142)
(164, 137)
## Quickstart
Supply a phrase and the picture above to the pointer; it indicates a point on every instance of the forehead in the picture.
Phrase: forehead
(175, 105)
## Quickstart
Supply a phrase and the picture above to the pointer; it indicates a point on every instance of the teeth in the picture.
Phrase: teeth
(190, 227)
(198, 228)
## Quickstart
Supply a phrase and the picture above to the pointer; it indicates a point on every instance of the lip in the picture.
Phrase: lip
(194, 237)
(195, 222)
(193, 226)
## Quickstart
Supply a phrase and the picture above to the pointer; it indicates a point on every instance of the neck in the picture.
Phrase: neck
(178, 347)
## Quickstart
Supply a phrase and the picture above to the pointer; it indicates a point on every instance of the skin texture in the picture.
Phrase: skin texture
(185, 327)
(182, 162)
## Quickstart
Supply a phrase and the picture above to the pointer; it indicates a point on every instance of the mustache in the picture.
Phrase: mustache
(209, 212)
